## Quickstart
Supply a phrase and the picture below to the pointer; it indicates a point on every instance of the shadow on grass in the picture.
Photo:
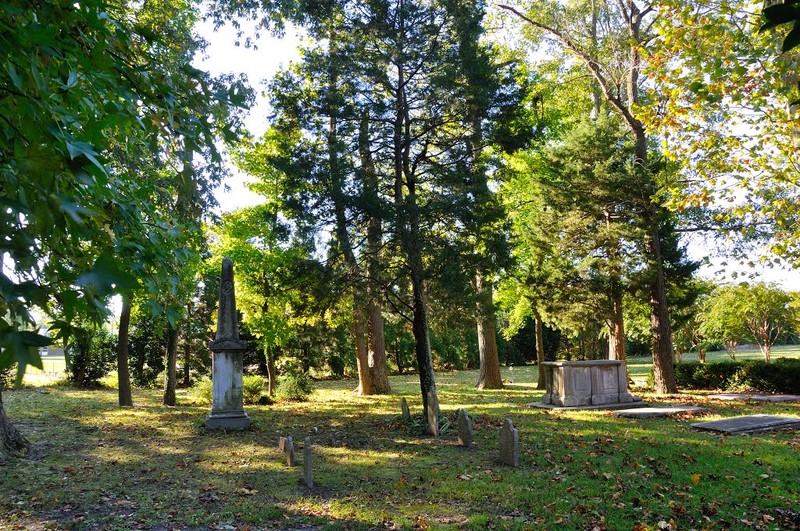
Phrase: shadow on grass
(155, 467)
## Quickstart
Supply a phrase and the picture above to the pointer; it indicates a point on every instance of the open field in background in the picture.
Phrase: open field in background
(95, 465)
(638, 367)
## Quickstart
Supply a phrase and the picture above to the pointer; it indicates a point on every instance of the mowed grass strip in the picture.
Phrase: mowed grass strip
(95, 465)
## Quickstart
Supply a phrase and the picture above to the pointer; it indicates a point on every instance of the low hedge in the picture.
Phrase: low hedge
(780, 376)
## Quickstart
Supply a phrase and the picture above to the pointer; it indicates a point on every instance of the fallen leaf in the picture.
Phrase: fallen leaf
(695, 479)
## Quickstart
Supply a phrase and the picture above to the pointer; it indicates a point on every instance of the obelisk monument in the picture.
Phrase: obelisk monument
(227, 351)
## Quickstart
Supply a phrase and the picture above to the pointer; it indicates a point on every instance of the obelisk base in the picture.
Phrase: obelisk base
(227, 410)
(228, 421)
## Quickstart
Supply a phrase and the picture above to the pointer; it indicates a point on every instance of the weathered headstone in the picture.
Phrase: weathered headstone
(509, 444)
(286, 445)
(464, 429)
(405, 410)
(227, 349)
(308, 474)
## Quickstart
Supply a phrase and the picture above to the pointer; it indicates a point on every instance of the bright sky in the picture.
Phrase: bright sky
(224, 57)
(273, 53)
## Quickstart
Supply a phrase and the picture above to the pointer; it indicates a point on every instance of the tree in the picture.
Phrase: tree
(720, 87)
(614, 60)
(723, 317)
(767, 313)
(76, 79)
(576, 207)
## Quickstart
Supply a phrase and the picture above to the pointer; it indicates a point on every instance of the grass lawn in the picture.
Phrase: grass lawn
(95, 465)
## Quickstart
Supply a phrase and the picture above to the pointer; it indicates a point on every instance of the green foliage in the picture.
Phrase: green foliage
(202, 390)
(252, 388)
(760, 312)
(293, 382)
(783, 376)
(783, 13)
(726, 90)
(97, 100)
(90, 355)
(336, 365)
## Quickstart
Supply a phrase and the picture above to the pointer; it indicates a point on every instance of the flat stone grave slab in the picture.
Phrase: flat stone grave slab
(749, 424)
(601, 407)
(658, 412)
(756, 397)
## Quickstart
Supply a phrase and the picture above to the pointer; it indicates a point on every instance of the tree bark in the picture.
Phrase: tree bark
(489, 375)
(187, 351)
(408, 228)
(540, 384)
(663, 366)
(12, 442)
(270, 370)
(123, 372)
(616, 325)
(378, 367)
(172, 362)
(362, 350)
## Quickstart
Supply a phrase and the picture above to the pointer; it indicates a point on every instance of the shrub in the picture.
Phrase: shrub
(252, 386)
(294, 386)
(782, 376)
(696, 375)
(202, 390)
(336, 365)
(90, 355)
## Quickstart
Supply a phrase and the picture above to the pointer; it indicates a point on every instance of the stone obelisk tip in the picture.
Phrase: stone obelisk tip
(227, 321)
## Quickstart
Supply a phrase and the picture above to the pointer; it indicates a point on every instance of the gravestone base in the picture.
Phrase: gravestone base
(228, 421)
(227, 411)
(602, 407)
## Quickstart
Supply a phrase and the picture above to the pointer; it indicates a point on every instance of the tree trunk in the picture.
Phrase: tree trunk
(172, 363)
(540, 384)
(123, 373)
(616, 332)
(422, 347)
(362, 351)
(663, 367)
(12, 442)
(269, 354)
(378, 368)
(187, 351)
(489, 376)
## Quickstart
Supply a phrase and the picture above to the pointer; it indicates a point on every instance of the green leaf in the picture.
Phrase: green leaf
(76, 149)
(778, 14)
(21, 346)
(792, 39)
(108, 276)
(12, 72)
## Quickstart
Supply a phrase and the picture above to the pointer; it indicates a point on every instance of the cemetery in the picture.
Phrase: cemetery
(399, 264)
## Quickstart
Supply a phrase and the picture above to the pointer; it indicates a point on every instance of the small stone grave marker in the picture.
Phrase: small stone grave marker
(286, 445)
(464, 429)
(308, 475)
(406, 411)
(749, 424)
(509, 444)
